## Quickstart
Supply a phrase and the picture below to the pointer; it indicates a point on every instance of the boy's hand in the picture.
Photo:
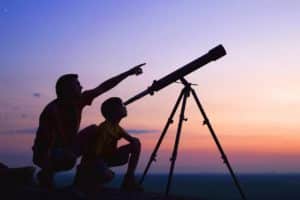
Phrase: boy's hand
(137, 70)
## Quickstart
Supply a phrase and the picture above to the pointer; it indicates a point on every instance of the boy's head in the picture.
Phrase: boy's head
(113, 109)
(68, 87)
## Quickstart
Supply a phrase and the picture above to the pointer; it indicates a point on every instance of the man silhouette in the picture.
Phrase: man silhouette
(55, 142)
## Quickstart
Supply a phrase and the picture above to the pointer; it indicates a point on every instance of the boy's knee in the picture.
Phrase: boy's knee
(136, 144)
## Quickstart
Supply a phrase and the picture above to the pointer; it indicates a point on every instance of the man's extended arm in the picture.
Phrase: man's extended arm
(112, 82)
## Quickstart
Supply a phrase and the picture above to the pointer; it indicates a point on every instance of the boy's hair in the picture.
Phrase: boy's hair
(62, 84)
(108, 107)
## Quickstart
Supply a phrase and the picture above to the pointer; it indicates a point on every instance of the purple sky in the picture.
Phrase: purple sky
(252, 94)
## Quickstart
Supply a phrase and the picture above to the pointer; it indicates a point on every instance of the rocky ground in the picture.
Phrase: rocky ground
(18, 184)
(35, 193)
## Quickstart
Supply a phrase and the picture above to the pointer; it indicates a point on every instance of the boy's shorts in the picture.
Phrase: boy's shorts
(120, 157)
(96, 171)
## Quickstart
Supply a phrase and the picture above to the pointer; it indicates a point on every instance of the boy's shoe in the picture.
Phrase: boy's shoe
(130, 184)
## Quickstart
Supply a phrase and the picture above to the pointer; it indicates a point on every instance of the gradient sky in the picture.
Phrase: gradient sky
(251, 95)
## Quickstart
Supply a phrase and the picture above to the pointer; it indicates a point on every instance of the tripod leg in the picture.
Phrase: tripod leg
(224, 157)
(175, 148)
(170, 121)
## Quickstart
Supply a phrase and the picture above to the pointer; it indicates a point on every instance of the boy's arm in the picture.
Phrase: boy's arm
(128, 137)
(112, 82)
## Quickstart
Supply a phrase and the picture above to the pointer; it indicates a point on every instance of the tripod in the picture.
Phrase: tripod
(185, 93)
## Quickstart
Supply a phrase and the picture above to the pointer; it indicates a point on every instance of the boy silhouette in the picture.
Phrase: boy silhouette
(55, 140)
(102, 152)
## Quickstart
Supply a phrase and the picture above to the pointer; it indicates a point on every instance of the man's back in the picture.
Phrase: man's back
(59, 121)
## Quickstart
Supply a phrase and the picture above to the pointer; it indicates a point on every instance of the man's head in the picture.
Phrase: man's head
(113, 109)
(68, 87)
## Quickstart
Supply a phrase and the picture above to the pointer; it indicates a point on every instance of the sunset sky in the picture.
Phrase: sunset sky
(251, 95)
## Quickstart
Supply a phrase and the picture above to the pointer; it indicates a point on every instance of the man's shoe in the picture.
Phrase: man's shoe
(45, 180)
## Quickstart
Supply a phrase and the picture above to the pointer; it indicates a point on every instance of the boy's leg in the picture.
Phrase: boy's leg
(135, 150)
(128, 153)
(91, 175)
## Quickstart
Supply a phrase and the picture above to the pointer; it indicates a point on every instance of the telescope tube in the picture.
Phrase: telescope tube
(212, 55)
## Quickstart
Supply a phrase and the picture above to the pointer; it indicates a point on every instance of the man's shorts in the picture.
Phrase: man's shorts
(59, 160)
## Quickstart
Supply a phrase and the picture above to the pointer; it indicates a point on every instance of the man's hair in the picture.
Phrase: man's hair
(109, 107)
(62, 84)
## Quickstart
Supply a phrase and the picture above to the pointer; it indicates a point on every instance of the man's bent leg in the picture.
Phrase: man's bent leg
(50, 165)
(45, 175)
(45, 179)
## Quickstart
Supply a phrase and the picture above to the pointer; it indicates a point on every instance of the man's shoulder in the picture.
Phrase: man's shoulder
(90, 128)
(87, 97)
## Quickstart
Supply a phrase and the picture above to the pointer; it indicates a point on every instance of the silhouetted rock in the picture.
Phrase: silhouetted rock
(15, 177)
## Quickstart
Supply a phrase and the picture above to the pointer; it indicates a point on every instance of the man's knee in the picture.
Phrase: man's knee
(64, 165)
(70, 164)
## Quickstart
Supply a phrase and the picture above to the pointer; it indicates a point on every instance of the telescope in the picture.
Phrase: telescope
(214, 54)
(186, 91)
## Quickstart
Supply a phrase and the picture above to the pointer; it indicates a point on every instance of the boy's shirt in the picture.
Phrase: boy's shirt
(107, 138)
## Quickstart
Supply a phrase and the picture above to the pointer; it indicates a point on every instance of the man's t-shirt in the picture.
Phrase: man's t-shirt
(59, 123)
(107, 137)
